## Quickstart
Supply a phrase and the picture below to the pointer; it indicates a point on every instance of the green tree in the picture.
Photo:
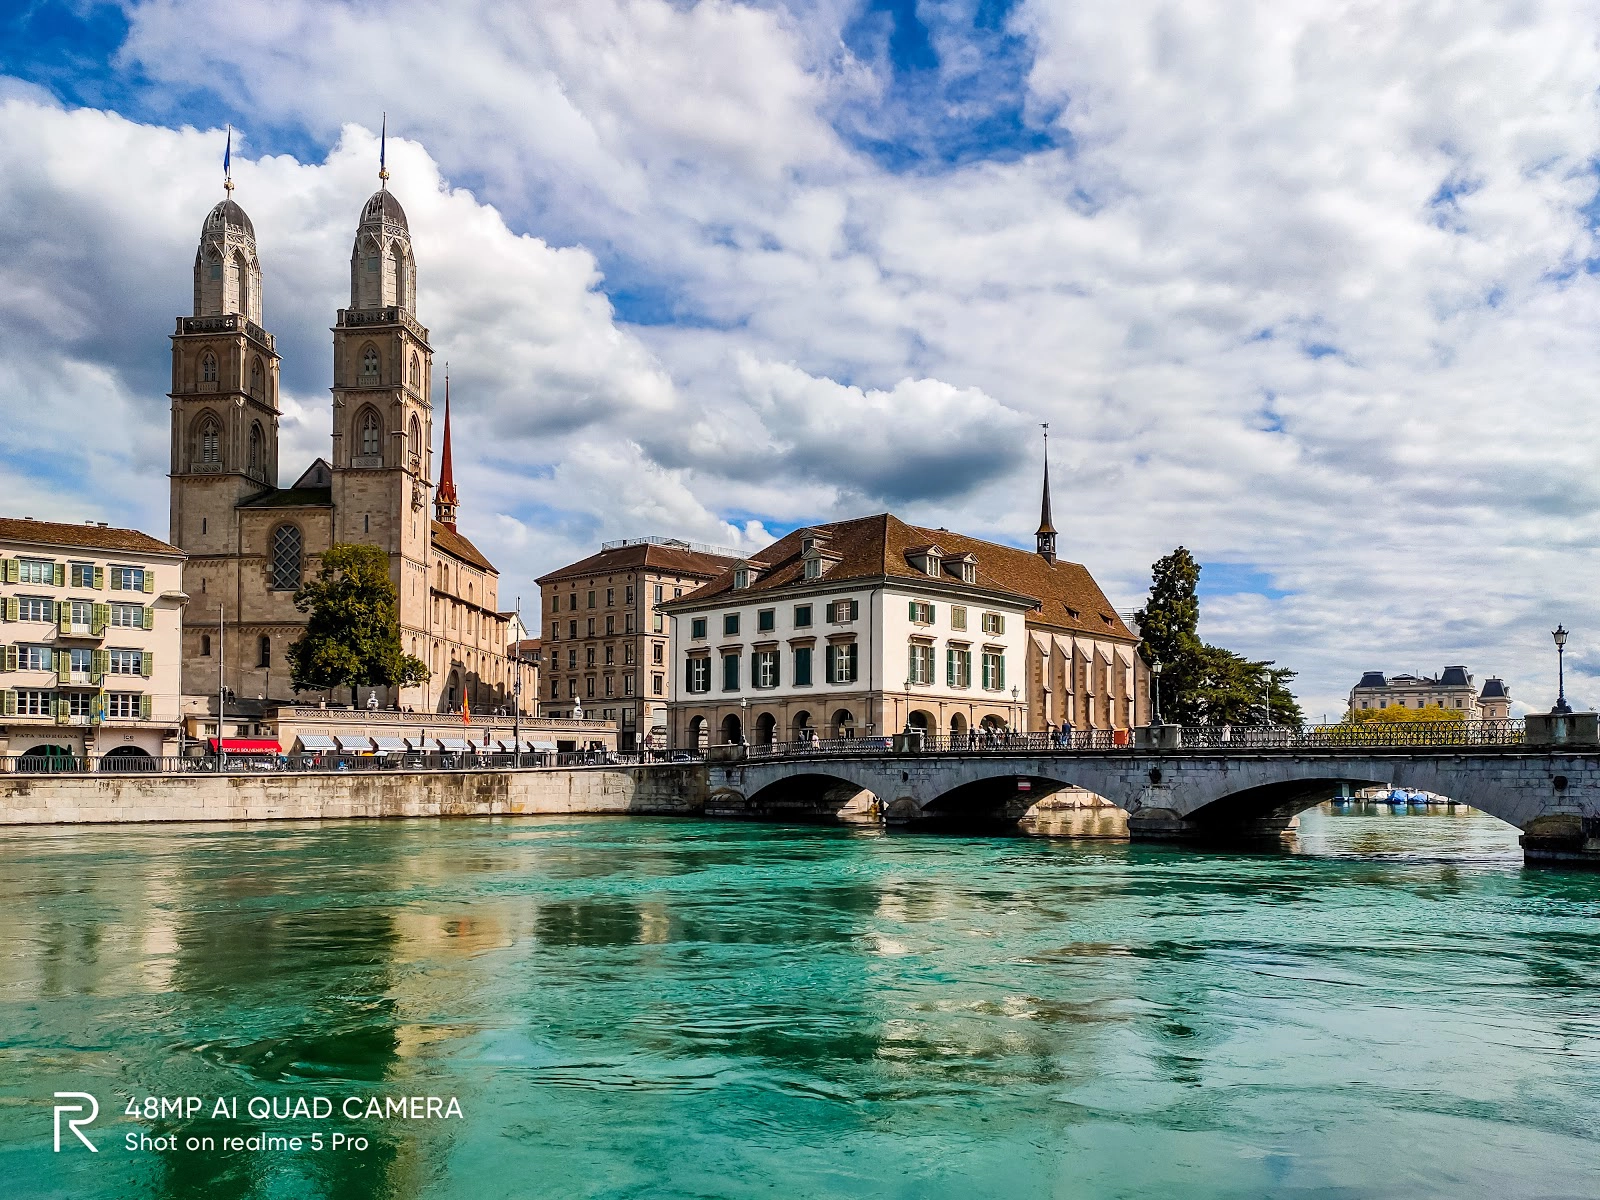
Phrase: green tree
(1203, 684)
(353, 636)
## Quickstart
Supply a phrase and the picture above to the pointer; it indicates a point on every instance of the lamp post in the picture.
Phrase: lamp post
(744, 720)
(1014, 691)
(1562, 708)
(1155, 710)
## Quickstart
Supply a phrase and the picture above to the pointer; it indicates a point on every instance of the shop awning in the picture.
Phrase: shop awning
(391, 745)
(456, 745)
(353, 743)
(244, 746)
(542, 747)
(316, 742)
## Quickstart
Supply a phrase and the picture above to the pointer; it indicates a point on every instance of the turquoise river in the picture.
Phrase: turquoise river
(673, 1008)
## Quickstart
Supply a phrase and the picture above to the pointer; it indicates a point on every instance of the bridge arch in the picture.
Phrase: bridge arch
(817, 794)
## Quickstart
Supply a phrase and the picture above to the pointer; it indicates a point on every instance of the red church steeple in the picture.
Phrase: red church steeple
(444, 500)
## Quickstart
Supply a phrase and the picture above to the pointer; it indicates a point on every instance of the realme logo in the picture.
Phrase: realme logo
(93, 1110)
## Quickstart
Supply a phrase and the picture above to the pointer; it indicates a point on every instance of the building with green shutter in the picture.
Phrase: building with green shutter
(89, 643)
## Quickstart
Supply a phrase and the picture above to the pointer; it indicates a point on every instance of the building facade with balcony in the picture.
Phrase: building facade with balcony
(606, 644)
(1452, 690)
(92, 642)
(871, 626)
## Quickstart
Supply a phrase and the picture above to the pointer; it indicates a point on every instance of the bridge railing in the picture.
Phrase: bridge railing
(1353, 736)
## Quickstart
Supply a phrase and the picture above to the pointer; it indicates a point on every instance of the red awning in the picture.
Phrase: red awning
(245, 746)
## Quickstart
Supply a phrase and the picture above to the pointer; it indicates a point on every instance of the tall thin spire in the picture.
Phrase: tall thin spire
(1045, 538)
(444, 500)
(227, 164)
(383, 155)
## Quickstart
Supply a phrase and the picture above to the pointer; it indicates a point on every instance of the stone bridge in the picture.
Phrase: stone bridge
(1551, 794)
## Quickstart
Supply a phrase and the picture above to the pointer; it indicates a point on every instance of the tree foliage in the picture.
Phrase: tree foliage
(1399, 714)
(353, 635)
(1204, 684)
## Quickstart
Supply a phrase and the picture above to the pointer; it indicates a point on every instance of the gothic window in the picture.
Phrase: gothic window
(264, 651)
(371, 434)
(416, 371)
(416, 444)
(208, 368)
(257, 450)
(369, 361)
(208, 441)
(241, 284)
(258, 380)
(286, 555)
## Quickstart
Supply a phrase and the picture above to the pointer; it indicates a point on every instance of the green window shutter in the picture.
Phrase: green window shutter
(933, 613)
(1000, 671)
(99, 618)
(144, 706)
(116, 581)
(11, 657)
(11, 702)
(101, 660)
(146, 661)
(99, 578)
(831, 657)
(63, 666)
(949, 667)
(149, 580)
(97, 709)
(62, 712)
(61, 574)
(855, 609)
(13, 570)
(149, 617)
(911, 666)
(913, 610)
(64, 617)
(13, 608)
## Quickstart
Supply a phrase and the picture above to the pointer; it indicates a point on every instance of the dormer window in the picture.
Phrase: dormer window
(813, 567)
(741, 578)
(927, 559)
(964, 568)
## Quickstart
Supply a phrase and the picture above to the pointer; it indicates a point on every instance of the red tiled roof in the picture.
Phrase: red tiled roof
(452, 543)
(644, 556)
(88, 537)
(880, 547)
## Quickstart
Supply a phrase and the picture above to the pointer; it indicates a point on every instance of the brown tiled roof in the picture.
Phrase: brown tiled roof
(89, 537)
(452, 543)
(880, 546)
(295, 497)
(644, 556)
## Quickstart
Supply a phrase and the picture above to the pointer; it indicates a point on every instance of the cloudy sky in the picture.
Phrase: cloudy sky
(1309, 288)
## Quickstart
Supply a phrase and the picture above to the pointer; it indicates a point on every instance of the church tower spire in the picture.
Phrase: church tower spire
(1045, 537)
(444, 500)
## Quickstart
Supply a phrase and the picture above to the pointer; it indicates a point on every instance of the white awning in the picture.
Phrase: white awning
(314, 742)
(391, 745)
(354, 743)
(542, 747)
(455, 745)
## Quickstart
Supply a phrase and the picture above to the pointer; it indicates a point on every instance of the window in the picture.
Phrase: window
(588, 657)
(555, 604)
(657, 625)
(994, 622)
(611, 597)
(611, 656)
(842, 612)
(741, 578)
(588, 688)
(128, 616)
(627, 623)
(658, 652)
(588, 629)
(627, 684)
(35, 702)
(555, 689)
(958, 667)
(286, 558)
(677, 592)
(36, 570)
(969, 572)
(572, 602)
(628, 596)
(591, 599)
(812, 569)
(34, 658)
(37, 608)
(697, 627)
(802, 666)
(994, 670)
(730, 624)
(698, 676)
(205, 645)
(258, 380)
(657, 593)
(264, 651)
(920, 665)
(921, 612)
(208, 442)
(629, 653)
(81, 575)
(730, 672)
(371, 434)
(958, 616)
(127, 579)
(208, 369)
(123, 706)
(658, 683)
(610, 680)
(369, 361)
(766, 620)
(611, 626)
(416, 374)
(842, 663)
(764, 669)
(802, 616)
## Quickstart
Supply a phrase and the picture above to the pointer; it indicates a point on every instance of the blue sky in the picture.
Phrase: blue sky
(1302, 292)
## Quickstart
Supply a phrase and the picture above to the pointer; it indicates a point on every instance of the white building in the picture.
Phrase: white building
(92, 635)
(870, 626)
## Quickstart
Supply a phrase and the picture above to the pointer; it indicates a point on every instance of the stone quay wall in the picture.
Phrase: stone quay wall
(105, 799)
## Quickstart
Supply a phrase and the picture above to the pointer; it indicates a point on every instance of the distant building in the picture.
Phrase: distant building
(606, 645)
(91, 652)
(1453, 690)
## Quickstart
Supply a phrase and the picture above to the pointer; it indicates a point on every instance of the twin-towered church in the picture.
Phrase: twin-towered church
(251, 542)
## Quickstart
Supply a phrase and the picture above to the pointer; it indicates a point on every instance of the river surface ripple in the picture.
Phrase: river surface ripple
(656, 1008)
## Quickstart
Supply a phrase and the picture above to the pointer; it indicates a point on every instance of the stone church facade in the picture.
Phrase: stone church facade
(250, 543)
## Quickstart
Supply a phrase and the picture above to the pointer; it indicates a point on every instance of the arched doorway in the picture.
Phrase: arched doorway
(800, 729)
(127, 758)
(732, 730)
(958, 726)
(766, 726)
(452, 693)
(48, 758)
(843, 724)
(920, 720)
(697, 734)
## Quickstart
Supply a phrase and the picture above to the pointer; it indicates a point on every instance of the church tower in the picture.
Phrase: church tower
(224, 402)
(1044, 538)
(382, 411)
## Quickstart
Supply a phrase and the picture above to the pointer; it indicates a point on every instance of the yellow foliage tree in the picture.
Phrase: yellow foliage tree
(1398, 714)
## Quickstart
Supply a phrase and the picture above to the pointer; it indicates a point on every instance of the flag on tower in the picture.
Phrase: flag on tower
(383, 150)
(466, 710)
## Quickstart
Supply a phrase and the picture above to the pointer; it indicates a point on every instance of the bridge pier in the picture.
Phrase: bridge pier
(1562, 838)
(1165, 825)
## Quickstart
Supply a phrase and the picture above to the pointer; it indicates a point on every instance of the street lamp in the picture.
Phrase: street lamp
(1562, 708)
(1155, 674)
(1014, 691)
